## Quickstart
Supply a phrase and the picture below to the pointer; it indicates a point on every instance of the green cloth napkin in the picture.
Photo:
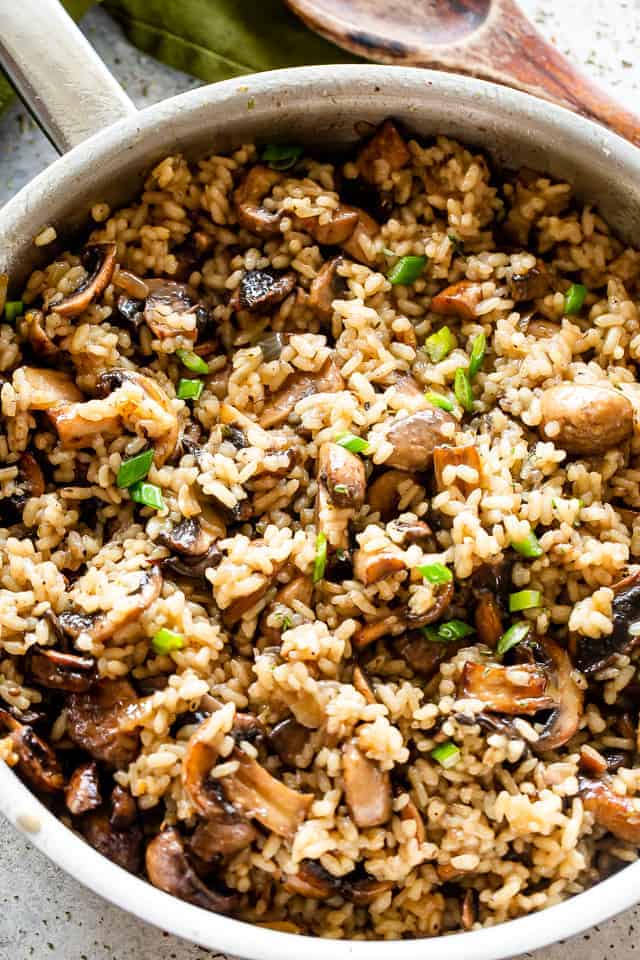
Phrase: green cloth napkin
(214, 39)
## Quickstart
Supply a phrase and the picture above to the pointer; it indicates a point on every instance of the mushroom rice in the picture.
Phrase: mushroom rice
(320, 490)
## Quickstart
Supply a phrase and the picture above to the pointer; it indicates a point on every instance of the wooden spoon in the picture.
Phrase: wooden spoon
(489, 39)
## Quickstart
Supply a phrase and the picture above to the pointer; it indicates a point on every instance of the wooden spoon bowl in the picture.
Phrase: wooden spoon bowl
(488, 39)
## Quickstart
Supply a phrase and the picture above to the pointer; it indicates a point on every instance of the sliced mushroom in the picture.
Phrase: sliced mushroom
(362, 684)
(123, 847)
(423, 656)
(31, 328)
(296, 387)
(46, 389)
(468, 456)
(239, 607)
(488, 620)
(469, 912)
(193, 568)
(513, 690)
(334, 231)
(83, 790)
(171, 309)
(199, 759)
(103, 626)
(533, 285)
(62, 671)
(592, 761)
(442, 601)
(100, 259)
(367, 789)
(312, 881)
(615, 813)
(585, 418)
(291, 741)
(568, 697)
(370, 632)
(143, 406)
(298, 590)
(169, 869)
(369, 568)
(124, 811)
(543, 329)
(592, 653)
(364, 890)
(326, 287)
(386, 144)
(459, 300)
(411, 812)
(343, 475)
(31, 472)
(188, 538)
(414, 438)
(222, 836)
(357, 245)
(261, 290)
(258, 182)
(94, 722)
(37, 762)
(409, 530)
(258, 795)
(382, 493)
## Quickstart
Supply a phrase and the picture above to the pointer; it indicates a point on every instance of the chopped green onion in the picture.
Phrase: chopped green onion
(285, 621)
(281, 156)
(406, 270)
(448, 631)
(135, 468)
(574, 298)
(435, 572)
(320, 561)
(13, 309)
(462, 389)
(192, 361)
(514, 635)
(439, 344)
(165, 641)
(478, 350)
(439, 401)
(524, 600)
(341, 488)
(529, 547)
(190, 389)
(148, 494)
(353, 443)
(446, 754)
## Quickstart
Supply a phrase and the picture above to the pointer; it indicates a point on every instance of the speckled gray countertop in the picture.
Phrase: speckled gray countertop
(44, 913)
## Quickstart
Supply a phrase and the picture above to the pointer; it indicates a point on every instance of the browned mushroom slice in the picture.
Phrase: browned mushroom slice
(414, 438)
(358, 244)
(76, 430)
(469, 911)
(222, 836)
(199, 759)
(37, 762)
(533, 285)
(386, 144)
(298, 590)
(326, 287)
(143, 406)
(585, 418)
(124, 811)
(488, 620)
(46, 388)
(411, 812)
(30, 470)
(442, 601)
(104, 626)
(409, 530)
(382, 493)
(459, 300)
(362, 684)
(188, 538)
(369, 568)
(513, 690)
(83, 790)
(239, 607)
(62, 671)
(260, 796)
(247, 199)
(343, 475)
(295, 745)
(444, 457)
(340, 225)
(370, 632)
(101, 262)
(565, 717)
(592, 761)
(312, 881)
(171, 309)
(615, 813)
(169, 869)
(296, 387)
(31, 328)
(123, 847)
(367, 789)
(423, 656)
(364, 890)
(261, 290)
(593, 653)
(543, 329)
(94, 722)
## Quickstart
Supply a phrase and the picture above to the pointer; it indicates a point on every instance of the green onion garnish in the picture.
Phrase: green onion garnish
(135, 468)
(353, 443)
(439, 344)
(13, 309)
(285, 621)
(165, 641)
(281, 156)
(447, 754)
(148, 494)
(435, 572)
(529, 547)
(513, 636)
(524, 600)
(190, 389)
(462, 389)
(320, 560)
(574, 298)
(448, 631)
(341, 488)
(192, 361)
(438, 400)
(406, 270)
(478, 350)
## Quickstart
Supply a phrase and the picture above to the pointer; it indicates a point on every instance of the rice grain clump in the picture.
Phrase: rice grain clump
(319, 499)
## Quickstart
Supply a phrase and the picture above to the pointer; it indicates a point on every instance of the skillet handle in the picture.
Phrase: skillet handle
(57, 73)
